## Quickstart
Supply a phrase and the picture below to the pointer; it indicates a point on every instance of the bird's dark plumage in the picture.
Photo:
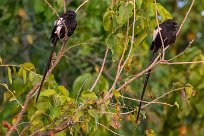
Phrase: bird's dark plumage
(168, 31)
(65, 25)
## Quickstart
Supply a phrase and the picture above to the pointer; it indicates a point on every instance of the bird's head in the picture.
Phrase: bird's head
(171, 24)
(71, 14)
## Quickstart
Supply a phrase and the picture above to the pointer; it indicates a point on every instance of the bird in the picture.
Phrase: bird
(64, 26)
(168, 30)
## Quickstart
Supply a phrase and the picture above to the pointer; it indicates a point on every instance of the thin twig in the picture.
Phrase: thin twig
(65, 8)
(81, 5)
(109, 129)
(190, 43)
(185, 17)
(181, 63)
(101, 70)
(162, 96)
(5, 86)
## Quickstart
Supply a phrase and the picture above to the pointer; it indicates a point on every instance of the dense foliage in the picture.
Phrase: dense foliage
(67, 97)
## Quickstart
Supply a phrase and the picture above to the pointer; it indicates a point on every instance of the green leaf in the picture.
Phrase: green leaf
(43, 105)
(31, 76)
(150, 132)
(116, 44)
(62, 133)
(139, 4)
(1, 60)
(48, 92)
(124, 13)
(37, 115)
(63, 90)
(9, 75)
(163, 12)
(14, 70)
(82, 83)
(55, 112)
(77, 116)
(24, 76)
(89, 97)
(94, 113)
(140, 38)
(108, 20)
(188, 90)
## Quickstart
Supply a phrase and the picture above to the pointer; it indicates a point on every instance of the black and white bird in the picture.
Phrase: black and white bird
(168, 30)
(64, 26)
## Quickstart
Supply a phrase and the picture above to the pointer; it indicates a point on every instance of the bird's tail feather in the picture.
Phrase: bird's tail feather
(54, 41)
(145, 85)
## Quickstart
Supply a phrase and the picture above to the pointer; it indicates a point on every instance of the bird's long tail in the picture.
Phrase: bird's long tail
(145, 85)
(54, 42)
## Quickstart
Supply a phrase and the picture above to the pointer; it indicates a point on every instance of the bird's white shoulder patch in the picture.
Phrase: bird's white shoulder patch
(59, 24)
(58, 21)
(156, 32)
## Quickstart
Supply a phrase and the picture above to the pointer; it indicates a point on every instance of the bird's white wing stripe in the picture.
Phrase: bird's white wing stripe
(156, 32)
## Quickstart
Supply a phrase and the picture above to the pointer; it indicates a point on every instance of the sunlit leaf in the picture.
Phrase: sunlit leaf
(55, 112)
(107, 20)
(9, 75)
(48, 92)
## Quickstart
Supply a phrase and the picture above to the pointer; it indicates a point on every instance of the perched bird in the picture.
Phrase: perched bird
(64, 26)
(168, 31)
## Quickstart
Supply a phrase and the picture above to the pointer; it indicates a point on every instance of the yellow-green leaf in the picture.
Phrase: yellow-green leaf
(24, 76)
(9, 75)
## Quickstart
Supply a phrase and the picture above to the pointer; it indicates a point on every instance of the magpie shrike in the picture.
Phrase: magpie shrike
(168, 31)
(64, 26)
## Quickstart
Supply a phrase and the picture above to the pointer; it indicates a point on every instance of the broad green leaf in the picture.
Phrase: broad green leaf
(14, 70)
(140, 38)
(24, 76)
(48, 92)
(188, 90)
(9, 75)
(37, 115)
(139, 3)
(124, 13)
(77, 116)
(26, 67)
(163, 12)
(116, 44)
(63, 90)
(82, 83)
(108, 20)
(94, 113)
(31, 76)
(62, 133)
(55, 112)
(89, 97)
(43, 105)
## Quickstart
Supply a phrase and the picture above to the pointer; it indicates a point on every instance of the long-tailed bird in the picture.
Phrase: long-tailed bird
(168, 31)
(64, 26)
